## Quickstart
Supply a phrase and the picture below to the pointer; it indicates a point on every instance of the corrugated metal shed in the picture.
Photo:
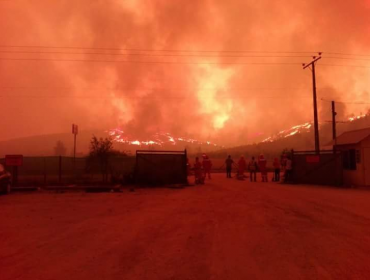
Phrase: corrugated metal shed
(352, 137)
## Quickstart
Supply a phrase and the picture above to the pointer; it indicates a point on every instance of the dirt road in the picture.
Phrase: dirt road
(226, 229)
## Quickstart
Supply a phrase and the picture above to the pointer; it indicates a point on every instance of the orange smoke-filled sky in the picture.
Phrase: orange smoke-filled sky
(224, 71)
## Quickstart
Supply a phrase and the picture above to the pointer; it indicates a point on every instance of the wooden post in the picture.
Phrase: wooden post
(44, 172)
(186, 167)
(60, 169)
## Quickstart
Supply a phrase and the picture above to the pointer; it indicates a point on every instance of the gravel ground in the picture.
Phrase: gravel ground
(225, 229)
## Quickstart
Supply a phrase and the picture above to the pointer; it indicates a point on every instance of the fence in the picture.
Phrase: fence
(38, 171)
(54, 170)
(321, 169)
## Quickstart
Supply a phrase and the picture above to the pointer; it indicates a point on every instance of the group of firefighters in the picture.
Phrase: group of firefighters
(202, 170)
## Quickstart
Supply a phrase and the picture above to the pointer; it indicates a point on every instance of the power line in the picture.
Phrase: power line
(180, 50)
(344, 65)
(347, 58)
(155, 55)
(153, 88)
(345, 102)
(153, 50)
(150, 62)
(218, 97)
(173, 62)
(347, 54)
(176, 55)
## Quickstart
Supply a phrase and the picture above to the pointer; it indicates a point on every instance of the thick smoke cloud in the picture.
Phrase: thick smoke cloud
(193, 94)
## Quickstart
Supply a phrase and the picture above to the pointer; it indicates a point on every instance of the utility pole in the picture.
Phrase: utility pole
(316, 121)
(333, 119)
(74, 147)
(74, 132)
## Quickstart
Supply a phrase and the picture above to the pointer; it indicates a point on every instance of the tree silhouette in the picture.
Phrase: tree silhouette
(101, 151)
(60, 149)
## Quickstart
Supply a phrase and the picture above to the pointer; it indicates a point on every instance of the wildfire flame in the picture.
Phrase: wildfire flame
(351, 119)
(161, 139)
(158, 139)
(303, 128)
(289, 132)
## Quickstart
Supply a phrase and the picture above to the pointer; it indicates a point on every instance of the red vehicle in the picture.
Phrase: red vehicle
(5, 180)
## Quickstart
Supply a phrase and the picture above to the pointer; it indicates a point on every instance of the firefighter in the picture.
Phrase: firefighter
(252, 166)
(5, 180)
(283, 162)
(199, 179)
(229, 164)
(188, 166)
(263, 168)
(207, 165)
(276, 165)
(288, 169)
(242, 164)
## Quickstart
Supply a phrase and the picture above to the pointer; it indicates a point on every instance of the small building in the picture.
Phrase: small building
(355, 148)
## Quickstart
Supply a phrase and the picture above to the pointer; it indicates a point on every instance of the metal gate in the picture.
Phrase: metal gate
(320, 169)
(160, 167)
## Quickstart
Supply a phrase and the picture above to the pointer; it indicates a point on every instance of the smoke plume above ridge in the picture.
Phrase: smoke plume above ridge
(169, 80)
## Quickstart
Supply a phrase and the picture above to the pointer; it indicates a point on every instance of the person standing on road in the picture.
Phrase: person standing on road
(229, 164)
(276, 165)
(262, 167)
(242, 165)
(188, 166)
(199, 179)
(207, 165)
(283, 163)
(288, 169)
(5, 180)
(253, 169)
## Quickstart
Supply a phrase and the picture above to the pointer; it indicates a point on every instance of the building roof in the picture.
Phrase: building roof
(352, 137)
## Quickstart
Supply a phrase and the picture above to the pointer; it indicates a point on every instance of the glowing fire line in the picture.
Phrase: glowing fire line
(159, 139)
(289, 132)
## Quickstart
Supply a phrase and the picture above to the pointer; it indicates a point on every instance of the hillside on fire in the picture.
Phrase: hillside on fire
(298, 137)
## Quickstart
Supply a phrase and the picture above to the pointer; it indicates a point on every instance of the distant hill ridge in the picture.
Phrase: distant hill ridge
(297, 139)
(301, 139)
